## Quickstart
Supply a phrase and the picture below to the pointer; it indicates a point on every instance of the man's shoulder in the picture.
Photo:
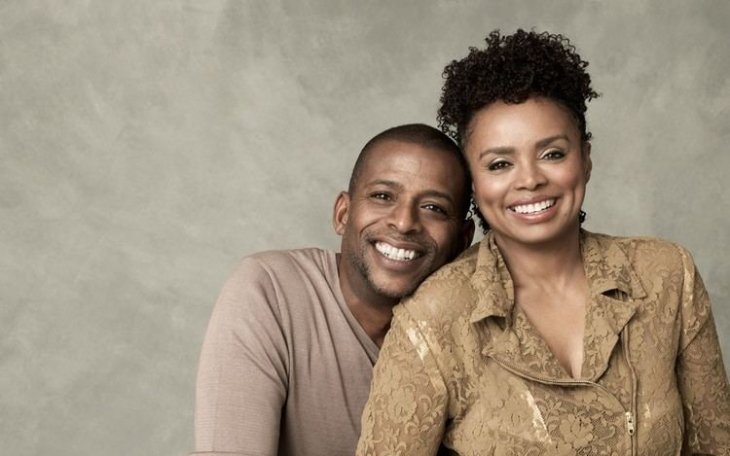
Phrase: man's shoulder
(275, 262)
(271, 279)
(288, 256)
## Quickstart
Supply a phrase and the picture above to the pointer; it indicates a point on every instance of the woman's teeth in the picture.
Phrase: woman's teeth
(395, 253)
(534, 207)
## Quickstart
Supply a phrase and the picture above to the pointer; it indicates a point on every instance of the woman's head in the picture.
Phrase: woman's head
(511, 70)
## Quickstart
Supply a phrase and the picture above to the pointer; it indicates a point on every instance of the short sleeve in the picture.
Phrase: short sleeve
(242, 374)
(700, 371)
(406, 411)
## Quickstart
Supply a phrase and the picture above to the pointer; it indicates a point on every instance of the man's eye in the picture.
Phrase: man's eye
(498, 165)
(435, 208)
(380, 196)
(553, 154)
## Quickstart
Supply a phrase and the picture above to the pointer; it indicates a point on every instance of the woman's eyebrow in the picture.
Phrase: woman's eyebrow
(506, 150)
(550, 139)
(499, 150)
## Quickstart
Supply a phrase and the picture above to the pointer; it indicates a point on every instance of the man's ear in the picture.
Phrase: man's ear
(587, 162)
(467, 234)
(341, 212)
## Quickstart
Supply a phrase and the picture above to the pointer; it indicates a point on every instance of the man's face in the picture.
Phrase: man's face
(403, 219)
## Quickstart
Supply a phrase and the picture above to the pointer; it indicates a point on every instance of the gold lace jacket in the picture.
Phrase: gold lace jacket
(462, 367)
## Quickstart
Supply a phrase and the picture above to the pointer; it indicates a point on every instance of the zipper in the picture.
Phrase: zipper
(631, 414)
(630, 425)
(549, 381)
(558, 382)
(628, 414)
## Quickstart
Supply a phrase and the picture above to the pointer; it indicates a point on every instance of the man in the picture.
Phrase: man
(287, 360)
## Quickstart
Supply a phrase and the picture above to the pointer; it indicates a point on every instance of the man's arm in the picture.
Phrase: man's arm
(242, 376)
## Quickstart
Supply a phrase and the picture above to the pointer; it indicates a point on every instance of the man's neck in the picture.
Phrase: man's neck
(372, 311)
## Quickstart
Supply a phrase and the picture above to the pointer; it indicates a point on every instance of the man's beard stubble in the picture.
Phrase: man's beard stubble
(357, 260)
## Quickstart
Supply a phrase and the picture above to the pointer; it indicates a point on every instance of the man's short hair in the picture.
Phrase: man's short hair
(424, 136)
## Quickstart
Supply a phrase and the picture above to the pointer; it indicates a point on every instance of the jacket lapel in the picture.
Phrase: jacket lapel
(509, 338)
(615, 291)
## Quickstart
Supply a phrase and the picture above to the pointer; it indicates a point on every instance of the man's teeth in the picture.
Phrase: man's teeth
(395, 253)
(534, 207)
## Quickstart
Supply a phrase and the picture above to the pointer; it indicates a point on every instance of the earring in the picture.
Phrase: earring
(581, 216)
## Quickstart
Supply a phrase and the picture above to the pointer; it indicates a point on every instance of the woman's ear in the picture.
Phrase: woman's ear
(587, 162)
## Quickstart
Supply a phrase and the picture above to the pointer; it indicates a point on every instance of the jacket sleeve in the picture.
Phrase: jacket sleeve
(407, 407)
(700, 371)
(242, 374)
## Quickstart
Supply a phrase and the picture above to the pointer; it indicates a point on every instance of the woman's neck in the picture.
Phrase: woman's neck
(548, 265)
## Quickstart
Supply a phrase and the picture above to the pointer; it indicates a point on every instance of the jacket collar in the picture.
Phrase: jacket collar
(613, 289)
(608, 267)
(606, 264)
(491, 282)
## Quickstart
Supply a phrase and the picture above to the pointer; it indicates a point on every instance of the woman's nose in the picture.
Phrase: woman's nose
(530, 176)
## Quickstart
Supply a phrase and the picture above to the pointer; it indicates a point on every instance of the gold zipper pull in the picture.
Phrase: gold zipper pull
(630, 423)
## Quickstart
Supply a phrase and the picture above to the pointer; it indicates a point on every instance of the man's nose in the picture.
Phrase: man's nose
(404, 217)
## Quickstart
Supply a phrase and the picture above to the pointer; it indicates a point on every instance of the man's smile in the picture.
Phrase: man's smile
(394, 253)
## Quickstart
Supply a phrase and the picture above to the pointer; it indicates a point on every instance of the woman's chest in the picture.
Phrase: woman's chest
(517, 399)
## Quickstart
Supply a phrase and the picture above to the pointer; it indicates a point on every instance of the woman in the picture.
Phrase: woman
(545, 338)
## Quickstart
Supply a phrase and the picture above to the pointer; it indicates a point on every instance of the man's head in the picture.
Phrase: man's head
(405, 212)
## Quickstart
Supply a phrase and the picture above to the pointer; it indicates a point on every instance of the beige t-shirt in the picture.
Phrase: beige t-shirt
(285, 368)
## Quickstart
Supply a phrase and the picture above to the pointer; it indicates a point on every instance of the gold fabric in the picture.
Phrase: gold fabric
(462, 367)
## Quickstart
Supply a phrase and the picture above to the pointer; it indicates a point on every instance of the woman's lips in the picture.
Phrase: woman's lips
(533, 208)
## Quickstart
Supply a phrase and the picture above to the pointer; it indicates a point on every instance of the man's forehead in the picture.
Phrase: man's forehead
(390, 153)
(402, 165)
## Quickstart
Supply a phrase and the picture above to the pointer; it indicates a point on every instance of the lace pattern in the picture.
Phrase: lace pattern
(463, 368)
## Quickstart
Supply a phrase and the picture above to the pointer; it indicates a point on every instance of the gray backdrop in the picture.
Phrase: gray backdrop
(146, 145)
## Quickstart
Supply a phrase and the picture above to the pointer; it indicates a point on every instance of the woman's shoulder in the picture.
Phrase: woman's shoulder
(644, 252)
(447, 292)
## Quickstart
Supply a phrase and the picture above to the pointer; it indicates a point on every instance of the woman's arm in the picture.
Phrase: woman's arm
(700, 371)
(407, 408)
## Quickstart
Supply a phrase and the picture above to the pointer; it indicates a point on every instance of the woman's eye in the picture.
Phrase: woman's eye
(498, 165)
(553, 154)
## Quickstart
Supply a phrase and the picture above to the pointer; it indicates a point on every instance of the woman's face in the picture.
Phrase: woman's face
(530, 169)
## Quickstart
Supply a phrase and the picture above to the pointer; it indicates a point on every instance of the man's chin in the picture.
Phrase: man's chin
(391, 284)
(396, 293)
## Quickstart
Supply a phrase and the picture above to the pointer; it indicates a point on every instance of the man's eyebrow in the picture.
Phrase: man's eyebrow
(505, 150)
(438, 194)
(386, 182)
(400, 187)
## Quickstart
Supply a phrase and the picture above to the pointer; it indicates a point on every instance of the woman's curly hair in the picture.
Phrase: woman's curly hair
(513, 68)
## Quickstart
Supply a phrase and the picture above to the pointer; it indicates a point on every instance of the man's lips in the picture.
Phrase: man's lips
(395, 253)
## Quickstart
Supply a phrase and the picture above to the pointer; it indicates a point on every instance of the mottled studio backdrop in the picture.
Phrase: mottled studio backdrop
(146, 145)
